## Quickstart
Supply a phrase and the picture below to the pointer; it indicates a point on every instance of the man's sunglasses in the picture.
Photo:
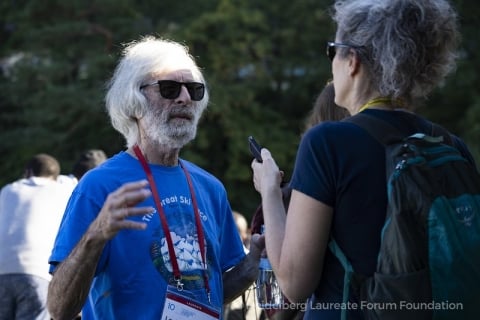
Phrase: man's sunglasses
(170, 89)
(332, 48)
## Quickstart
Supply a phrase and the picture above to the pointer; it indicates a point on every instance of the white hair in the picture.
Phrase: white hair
(124, 101)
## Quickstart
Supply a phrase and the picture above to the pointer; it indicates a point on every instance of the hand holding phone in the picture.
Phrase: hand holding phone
(255, 148)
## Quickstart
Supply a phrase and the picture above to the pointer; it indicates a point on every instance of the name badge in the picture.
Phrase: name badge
(180, 307)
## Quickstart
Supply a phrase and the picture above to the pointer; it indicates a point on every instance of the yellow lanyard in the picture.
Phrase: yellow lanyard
(376, 102)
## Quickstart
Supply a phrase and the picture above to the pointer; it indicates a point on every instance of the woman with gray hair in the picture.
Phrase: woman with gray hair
(386, 56)
(148, 235)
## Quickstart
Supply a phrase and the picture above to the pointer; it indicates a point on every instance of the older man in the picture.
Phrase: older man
(149, 235)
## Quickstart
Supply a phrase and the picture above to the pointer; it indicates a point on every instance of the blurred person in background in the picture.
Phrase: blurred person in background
(30, 213)
(87, 160)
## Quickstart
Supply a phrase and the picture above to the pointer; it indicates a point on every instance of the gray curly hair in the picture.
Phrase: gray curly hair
(124, 101)
(408, 47)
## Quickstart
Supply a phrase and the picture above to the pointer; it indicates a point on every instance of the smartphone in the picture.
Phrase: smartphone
(255, 148)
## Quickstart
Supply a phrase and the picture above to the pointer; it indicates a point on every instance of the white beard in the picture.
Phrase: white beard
(172, 127)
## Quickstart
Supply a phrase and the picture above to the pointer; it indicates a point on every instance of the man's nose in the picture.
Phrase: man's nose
(184, 96)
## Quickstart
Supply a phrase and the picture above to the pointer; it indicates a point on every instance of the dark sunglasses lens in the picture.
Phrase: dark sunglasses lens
(331, 51)
(169, 89)
(196, 90)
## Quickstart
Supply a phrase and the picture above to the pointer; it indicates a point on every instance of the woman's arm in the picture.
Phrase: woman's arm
(296, 242)
(302, 252)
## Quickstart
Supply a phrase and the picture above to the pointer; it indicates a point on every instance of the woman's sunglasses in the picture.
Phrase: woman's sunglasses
(332, 48)
(170, 89)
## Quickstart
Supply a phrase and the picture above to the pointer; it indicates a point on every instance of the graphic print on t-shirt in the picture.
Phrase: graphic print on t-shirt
(183, 231)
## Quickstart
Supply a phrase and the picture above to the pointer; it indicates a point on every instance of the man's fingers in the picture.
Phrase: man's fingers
(133, 197)
(128, 195)
(138, 211)
(133, 186)
(120, 207)
(128, 187)
(128, 224)
(120, 219)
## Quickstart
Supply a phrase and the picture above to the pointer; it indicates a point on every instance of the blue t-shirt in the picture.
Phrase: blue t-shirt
(134, 268)
(341, 165)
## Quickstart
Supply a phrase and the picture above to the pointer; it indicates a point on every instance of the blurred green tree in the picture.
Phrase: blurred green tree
(264, 70)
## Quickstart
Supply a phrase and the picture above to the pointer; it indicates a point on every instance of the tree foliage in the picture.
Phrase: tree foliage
(263, 60)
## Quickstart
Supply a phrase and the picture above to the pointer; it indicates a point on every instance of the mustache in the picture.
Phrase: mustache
(181, 112)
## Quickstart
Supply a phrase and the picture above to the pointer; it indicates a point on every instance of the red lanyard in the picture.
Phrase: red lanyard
(171, 250)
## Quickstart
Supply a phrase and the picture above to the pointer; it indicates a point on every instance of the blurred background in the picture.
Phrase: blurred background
(264, 62)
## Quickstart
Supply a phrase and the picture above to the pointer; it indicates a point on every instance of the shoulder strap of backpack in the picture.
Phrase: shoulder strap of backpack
(385, 133)
(347, 278)
(381, 130)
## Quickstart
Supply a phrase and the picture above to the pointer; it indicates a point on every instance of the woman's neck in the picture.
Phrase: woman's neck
(384, 103)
